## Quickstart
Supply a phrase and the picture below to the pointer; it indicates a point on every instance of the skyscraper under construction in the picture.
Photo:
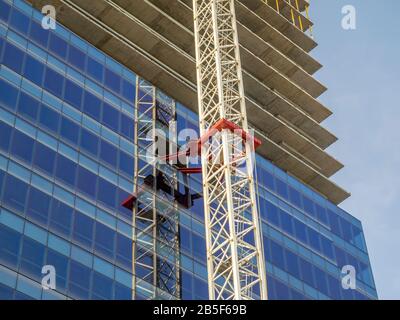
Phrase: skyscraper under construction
(84, 186)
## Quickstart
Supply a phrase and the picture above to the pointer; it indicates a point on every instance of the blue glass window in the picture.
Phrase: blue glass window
(327, 247)
(87, 182)
(58, 46)
(38, 34)
(33, 70)
(308, 206)
(2, 175)
(358, 238)
(32, 259)
(282, 291)
(296, 295)
(300, 231)
(22, 146)
(346, 230)
(5, 136)
(89, 142)
(77, 58)
(187, 286)
(9, 247)
(185, 239)
(13, 57)
(110, 117)
(295, 197)
(44, 159)
(268, 180)
(277, 255)
(126, 163)
(95, 69)
(73, 94)
(69, 130)
(28, 106)
(19, 21)
(281, 188)
(292, 263)
(38, 206)
(106, 193)
(334, 287)
(340, 257)
(92, 105)
(271, 213)
(321, 281)
(314, 238)
(112, 80)
(108, 153)
(102, 287)
(334, 222)
(60, 263)
(79, 280)
(267, 250)
(306, 270)
(6, 293)
(8, 96)
(198, 207)
(104, 240)
(61, 218)
(83, 230)
(66, 170)
(54, 82)
(4, 11)
(122, 196)
(321, 214)
(199, 246)
(21, 296)
(122, 292)
(127, 127)
(286, 222)
(271, 289)
(200, 289)
(128, 91)
(15, 193)
(49, 118)
(124, 252)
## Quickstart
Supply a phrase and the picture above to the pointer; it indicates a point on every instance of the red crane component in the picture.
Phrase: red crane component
(226, 124)
(129, 202)
(190, 170)
(217, 127)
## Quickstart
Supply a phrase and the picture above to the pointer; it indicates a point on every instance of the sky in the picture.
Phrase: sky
(362, 73)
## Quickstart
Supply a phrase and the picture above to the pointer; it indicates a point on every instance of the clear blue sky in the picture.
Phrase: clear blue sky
(362, 73)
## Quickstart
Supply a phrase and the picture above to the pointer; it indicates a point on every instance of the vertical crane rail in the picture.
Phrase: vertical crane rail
(235, 262)
(155, 249)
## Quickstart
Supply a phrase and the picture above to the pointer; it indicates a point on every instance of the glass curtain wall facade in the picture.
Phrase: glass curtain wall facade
(66, 165)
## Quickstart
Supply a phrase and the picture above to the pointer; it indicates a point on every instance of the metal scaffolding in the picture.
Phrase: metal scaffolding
(156, 259)
(235, 262)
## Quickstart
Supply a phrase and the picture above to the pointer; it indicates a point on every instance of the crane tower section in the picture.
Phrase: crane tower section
(235, 262)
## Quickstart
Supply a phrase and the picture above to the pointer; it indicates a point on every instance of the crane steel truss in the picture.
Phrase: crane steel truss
(235, 262)
(156, 226)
